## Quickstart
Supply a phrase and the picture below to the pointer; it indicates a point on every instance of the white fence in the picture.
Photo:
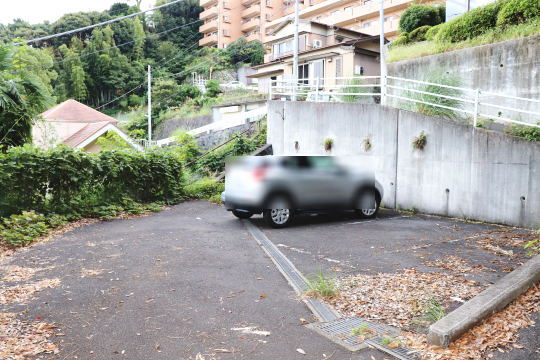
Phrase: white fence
(473, 104)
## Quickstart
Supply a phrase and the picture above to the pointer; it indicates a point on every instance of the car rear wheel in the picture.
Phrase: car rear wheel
(242, 214)
(370, 197)
(279, 214)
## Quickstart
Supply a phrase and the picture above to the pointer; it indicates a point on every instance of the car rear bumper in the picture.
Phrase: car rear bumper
(232, 203)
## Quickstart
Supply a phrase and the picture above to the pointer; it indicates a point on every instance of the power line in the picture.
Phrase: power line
(96, 25)
(102, 50)
(142, 83)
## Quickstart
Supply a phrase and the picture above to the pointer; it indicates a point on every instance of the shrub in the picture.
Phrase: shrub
(471, 24)
(432, 32)
(401, 40)
(518, 11)
(212, 89)
(530, 133)
(419, 15)
(214, 162)
(188, 91)
(23, 229)
(186, 149)
(204, 188)
(419, 34)
(71, 182)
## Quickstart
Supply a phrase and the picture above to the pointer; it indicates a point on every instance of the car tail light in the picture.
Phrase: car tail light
(259, 173)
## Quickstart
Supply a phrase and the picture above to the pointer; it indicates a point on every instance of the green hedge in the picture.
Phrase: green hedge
(471, 24)
(420, 15)
(518, 11)
(67, 181)
(419, 34)
(433, 32)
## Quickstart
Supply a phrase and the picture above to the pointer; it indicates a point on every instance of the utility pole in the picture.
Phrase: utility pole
(295, 47)
(149, 104)
(382, 55)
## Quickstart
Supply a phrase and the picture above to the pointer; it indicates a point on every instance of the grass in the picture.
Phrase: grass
(321, 286)
(431, 311)
(362, 331)
(419, 49)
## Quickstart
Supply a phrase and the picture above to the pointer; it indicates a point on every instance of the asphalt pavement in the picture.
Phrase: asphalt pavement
(186, 283)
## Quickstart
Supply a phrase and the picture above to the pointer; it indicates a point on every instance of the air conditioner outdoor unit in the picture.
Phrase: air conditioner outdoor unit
(317, 43)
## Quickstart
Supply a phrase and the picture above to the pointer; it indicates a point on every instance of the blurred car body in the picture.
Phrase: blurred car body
(281, 186)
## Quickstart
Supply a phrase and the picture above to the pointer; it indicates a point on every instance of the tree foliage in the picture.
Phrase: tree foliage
(420, 15)
(22, 97)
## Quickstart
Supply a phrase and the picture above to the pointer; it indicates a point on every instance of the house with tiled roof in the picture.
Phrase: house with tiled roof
(76, 125)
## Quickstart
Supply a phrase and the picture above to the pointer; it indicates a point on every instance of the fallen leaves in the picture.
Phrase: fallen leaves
(497, 332)
(396, 298)
(22, 293)
(455, 264)
(91, 272)
(19, 339)
(16, 273)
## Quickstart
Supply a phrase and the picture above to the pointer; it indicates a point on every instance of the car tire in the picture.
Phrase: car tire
(242, 214)
(368, 213)
(279, 217)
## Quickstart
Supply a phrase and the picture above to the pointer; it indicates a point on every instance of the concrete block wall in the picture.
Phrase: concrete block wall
(462, 171)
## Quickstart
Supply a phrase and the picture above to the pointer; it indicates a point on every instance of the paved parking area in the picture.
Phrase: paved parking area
(191, 283)
(344, 244)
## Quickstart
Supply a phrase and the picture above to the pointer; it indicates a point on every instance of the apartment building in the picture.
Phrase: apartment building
(226, 21)
(325, 52)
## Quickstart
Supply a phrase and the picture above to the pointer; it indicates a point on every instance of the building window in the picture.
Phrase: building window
(225, 32)
(388, 18)
(303, 74)
(365, 2)
(339, 67)
(348, 8)
(225, 18)
(269, 3)
(358, 70)
(367, 24)
(282, 48)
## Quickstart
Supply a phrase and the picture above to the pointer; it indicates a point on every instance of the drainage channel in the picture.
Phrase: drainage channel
(331, 325)
(294, 277)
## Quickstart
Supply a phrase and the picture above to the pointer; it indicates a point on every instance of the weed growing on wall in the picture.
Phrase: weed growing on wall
(420, 141)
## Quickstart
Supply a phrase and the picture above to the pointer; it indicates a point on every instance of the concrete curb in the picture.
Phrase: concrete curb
(491, 300)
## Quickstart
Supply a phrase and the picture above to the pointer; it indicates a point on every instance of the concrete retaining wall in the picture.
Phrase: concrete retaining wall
(167, 128)
(462, 171)
(511, 67)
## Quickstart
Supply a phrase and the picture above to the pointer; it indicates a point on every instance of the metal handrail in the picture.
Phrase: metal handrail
(469, 105)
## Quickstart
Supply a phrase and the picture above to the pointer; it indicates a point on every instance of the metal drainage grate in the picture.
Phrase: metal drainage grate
(340, 330)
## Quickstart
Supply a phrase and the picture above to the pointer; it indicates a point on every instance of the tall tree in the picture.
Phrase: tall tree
(185, 14)
(22, 98)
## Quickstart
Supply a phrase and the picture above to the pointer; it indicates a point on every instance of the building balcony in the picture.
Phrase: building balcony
(251, 11)
(249, 2)
(253, 37)
(209, 13)
(209, 40)
(250, 24)
(209, 26)
(207, 3)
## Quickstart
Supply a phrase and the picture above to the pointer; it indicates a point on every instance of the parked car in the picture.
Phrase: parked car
(233, 85)
(280, 187)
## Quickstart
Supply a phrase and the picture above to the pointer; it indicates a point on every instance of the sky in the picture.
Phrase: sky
(36, 11)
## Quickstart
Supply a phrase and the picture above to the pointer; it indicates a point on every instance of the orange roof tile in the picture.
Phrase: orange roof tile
(86, 132)
(72, 110)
